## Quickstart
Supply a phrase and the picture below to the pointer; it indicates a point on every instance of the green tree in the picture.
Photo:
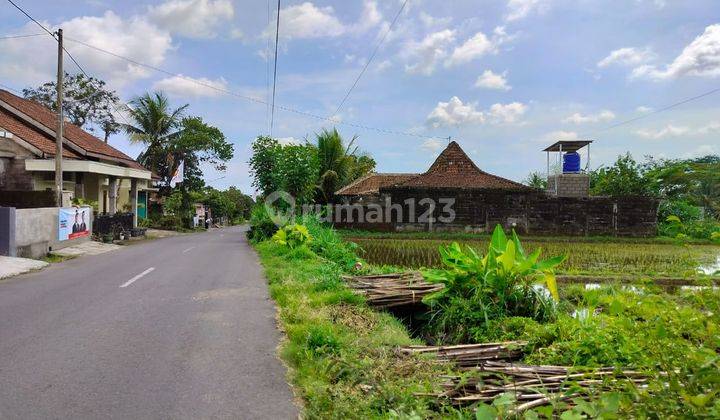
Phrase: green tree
(336, 162)
(173, 138)
(88, 103)
(536, 180)
(290, 168)
(155, 124)
(624, 177)
(265, 165)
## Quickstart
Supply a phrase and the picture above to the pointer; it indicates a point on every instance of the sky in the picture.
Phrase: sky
(503, 78)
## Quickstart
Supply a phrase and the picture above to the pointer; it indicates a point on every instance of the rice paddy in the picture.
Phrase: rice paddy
(593, 257)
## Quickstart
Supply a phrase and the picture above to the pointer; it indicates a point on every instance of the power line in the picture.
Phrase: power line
(267, 71)
(372, 56)
(65, 50)
(657, 111)
(19, 36)
(277, 38)
(250, 98)
(31, 18)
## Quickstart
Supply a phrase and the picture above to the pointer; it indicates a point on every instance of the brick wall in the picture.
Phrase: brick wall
(533, 212)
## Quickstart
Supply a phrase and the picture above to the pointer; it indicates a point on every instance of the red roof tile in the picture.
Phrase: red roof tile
(34, 137)
(371, 183)
(73, 133)
(454, 169)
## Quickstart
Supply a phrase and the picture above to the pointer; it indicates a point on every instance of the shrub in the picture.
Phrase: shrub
(292, 236)
(261, 225)
(480, 289)
(328, 243)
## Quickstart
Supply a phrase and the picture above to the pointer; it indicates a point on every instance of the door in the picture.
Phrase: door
(142, 205)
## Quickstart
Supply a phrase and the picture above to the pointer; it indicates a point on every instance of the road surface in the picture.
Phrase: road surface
(177, 328)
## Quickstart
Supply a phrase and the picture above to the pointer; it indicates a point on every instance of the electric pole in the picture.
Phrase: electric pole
(61, 117)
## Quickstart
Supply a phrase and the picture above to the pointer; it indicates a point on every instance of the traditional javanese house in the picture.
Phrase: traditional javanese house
(455, 194)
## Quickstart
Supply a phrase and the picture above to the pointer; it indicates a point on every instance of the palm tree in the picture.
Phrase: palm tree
(155, 124)
(335, 160)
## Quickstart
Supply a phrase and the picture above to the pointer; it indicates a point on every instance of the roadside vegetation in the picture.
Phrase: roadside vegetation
(343, 353)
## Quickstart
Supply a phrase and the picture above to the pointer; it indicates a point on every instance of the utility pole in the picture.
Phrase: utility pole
(61, 118)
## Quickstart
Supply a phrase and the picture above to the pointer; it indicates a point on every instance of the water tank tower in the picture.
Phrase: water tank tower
(566, 174)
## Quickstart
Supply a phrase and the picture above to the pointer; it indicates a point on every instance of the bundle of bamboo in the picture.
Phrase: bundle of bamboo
(532, 386)
(390, 290)
(469, 355)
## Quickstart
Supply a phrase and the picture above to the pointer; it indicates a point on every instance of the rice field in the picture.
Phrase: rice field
(601, 258)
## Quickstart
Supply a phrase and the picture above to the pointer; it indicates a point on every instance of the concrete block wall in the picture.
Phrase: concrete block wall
(569, 185)
(36, 232)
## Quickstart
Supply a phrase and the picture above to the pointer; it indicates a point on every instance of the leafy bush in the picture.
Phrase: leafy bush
(675, 227)
(261, 225)
(480, 289)
(292, 236)
(329, 244)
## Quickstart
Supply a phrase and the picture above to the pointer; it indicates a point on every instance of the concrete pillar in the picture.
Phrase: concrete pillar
(7, 232)
(112, 195)
(134, 200)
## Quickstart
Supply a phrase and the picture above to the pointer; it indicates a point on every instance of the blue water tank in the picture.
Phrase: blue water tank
(571, 162)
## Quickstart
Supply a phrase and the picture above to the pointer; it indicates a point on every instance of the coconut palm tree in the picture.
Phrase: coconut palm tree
(155, 124)
(335, 160)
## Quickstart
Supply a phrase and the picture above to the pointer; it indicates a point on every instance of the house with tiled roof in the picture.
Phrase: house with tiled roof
(92, 169)
(455, 194)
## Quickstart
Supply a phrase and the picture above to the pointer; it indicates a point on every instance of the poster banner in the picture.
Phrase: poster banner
(73, 222)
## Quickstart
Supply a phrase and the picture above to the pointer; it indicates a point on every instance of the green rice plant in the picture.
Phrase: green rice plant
(497, 285)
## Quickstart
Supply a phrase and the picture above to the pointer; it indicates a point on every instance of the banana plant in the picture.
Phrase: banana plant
(497, 281)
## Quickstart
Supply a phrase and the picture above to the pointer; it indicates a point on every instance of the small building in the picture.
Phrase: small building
(92, 169)
(454, 194)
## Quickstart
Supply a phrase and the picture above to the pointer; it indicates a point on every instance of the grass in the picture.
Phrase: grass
(341, 353)
(56, 258)
(592, 258)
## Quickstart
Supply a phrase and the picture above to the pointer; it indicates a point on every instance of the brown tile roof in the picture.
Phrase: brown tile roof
(454, 169)
(74, 134)
(371, 183)
(34, 137)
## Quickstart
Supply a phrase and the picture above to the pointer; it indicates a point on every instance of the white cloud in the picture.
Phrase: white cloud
(370, 17)
(133, 37)
(700, 58)
(456, 113)
(702, 150)
(431, 21)
(192, 18)
(477, 46)
(627, 56)
(559, 135)
(578, 118)
(675, 131)
(307, 21)
(667, 131)
(490, 80)
(519, 9)
(183, 86)
(383, 65)
(432, 145)
(427, 53)
(287, 141)
(507, 113)
(643, 109)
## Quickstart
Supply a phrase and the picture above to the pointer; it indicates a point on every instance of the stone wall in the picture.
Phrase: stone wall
(532, 212)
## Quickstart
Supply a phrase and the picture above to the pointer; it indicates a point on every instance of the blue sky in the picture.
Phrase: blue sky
(504, 77)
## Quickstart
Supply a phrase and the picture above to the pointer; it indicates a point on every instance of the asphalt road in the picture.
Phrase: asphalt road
(191, 334)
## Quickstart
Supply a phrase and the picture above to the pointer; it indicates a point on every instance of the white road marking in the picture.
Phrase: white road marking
(134, 279)
(192, 247)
